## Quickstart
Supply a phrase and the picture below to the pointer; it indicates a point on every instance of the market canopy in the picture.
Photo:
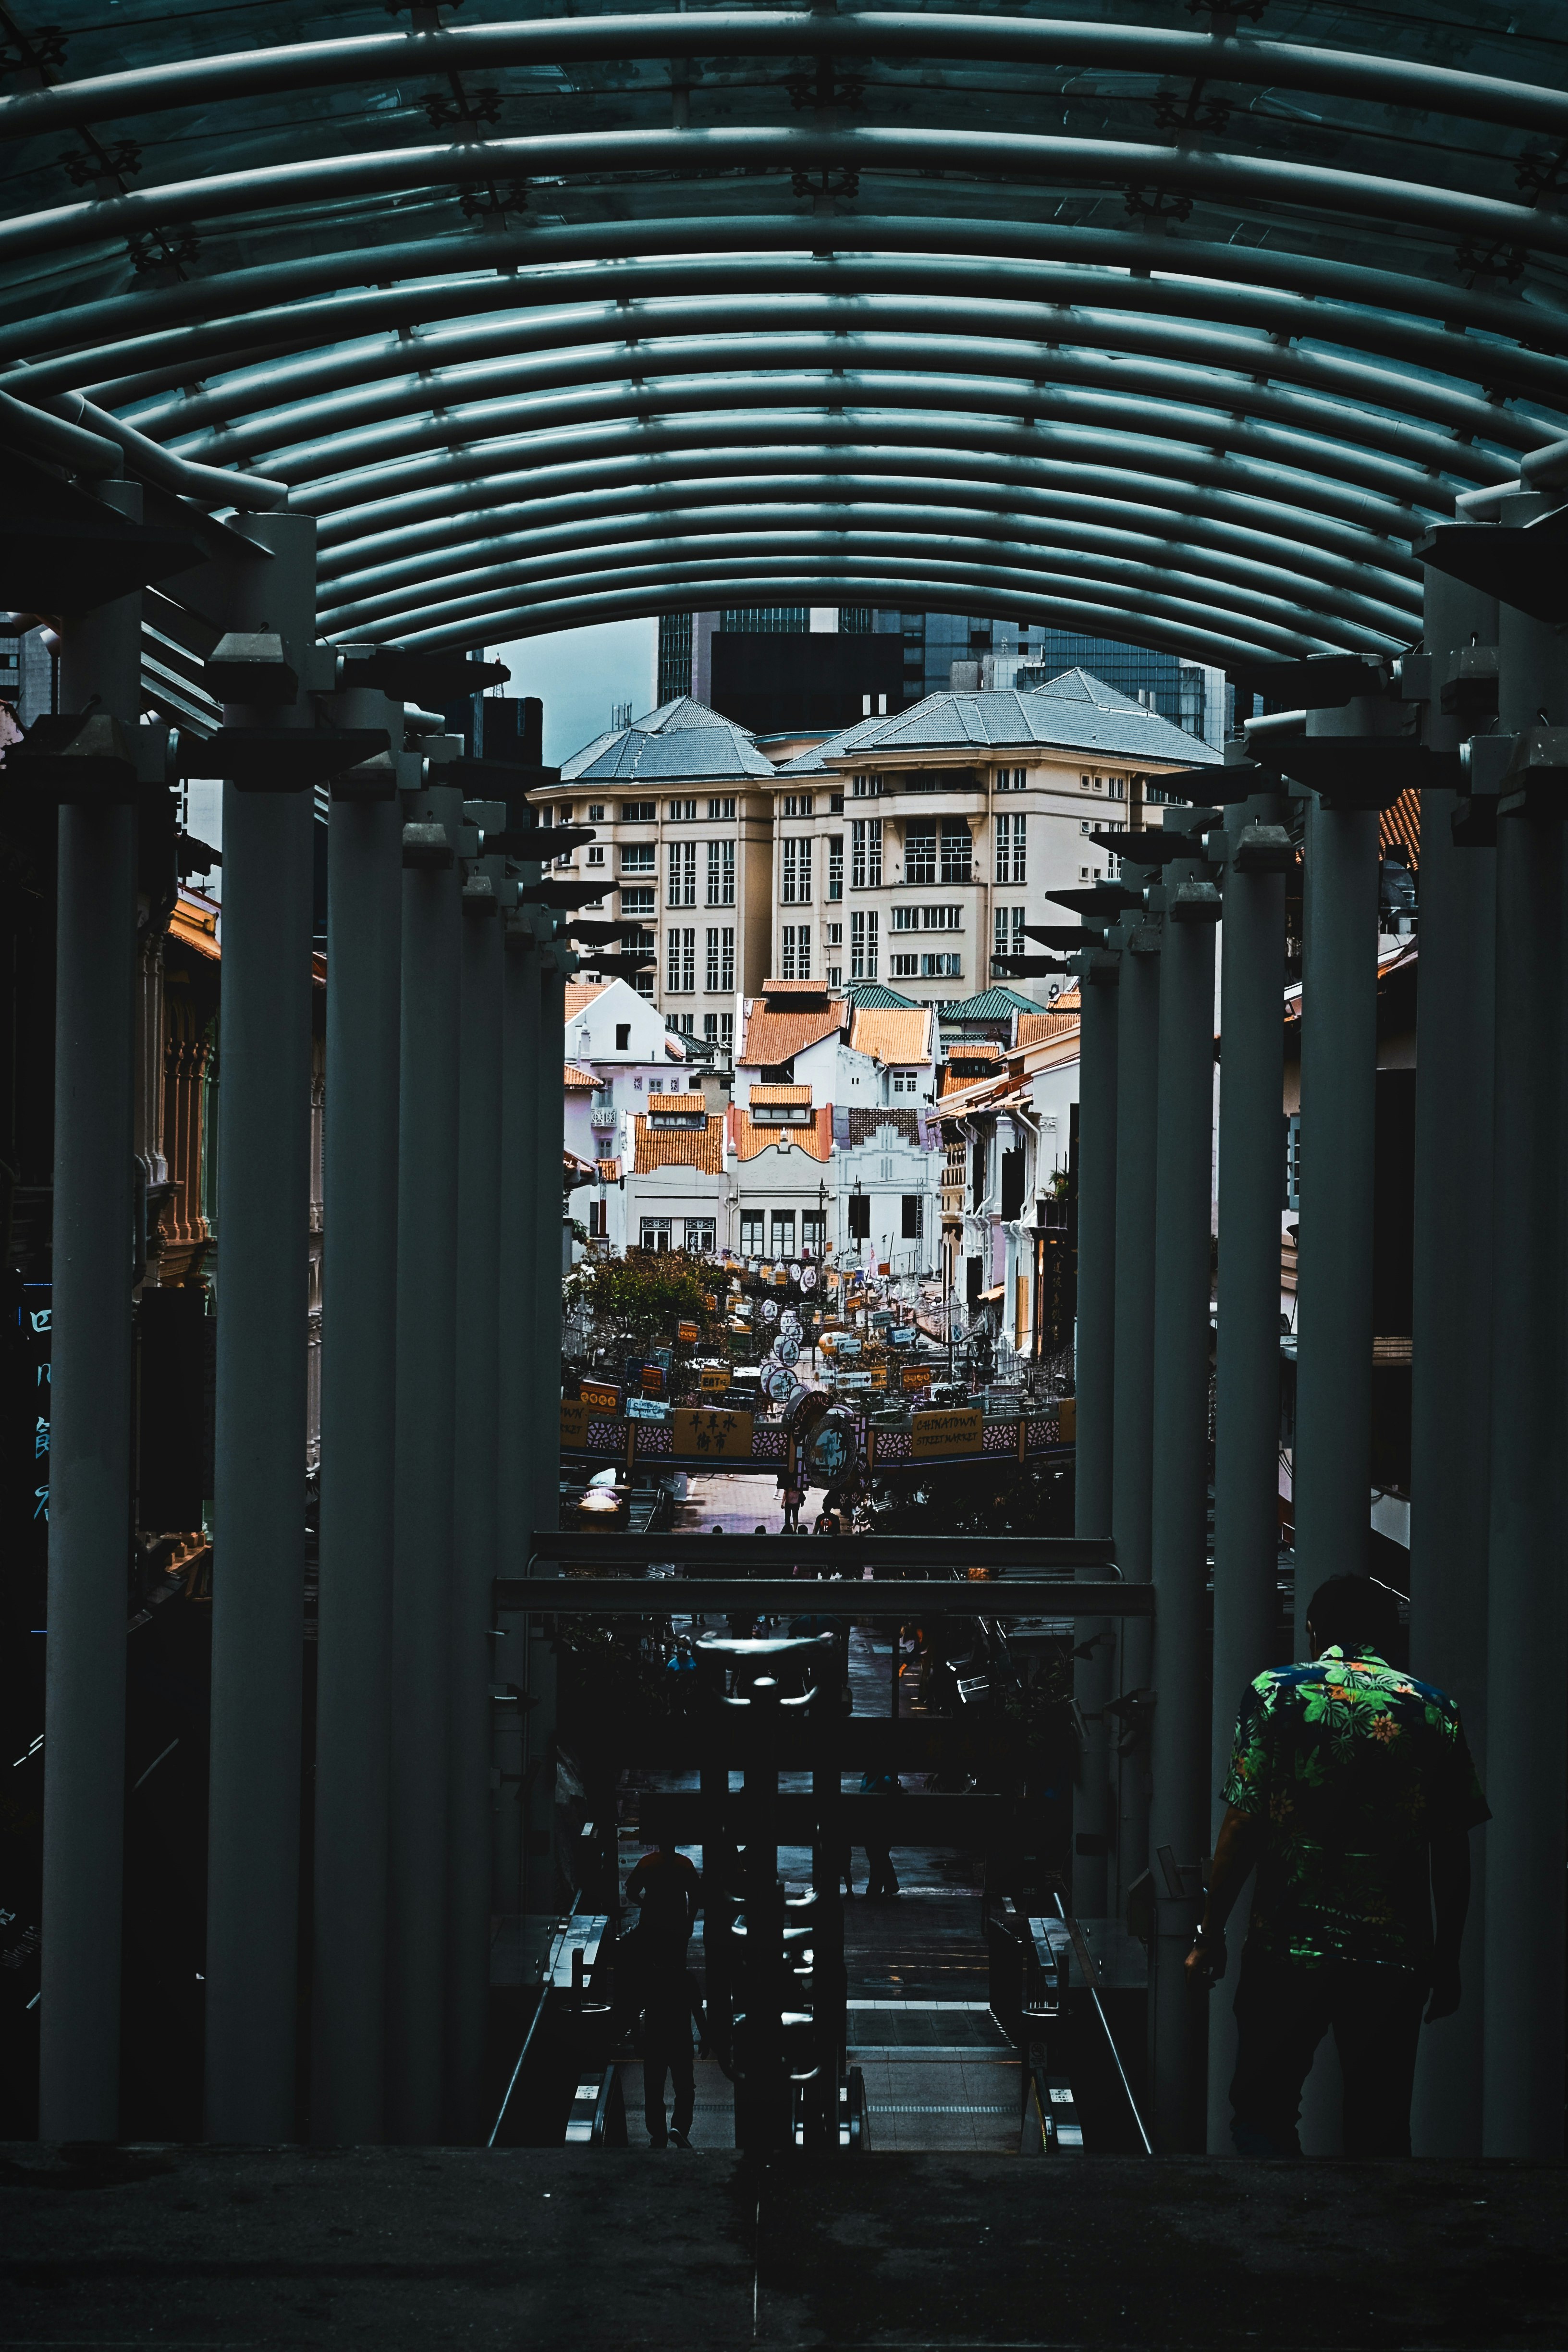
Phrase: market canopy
(1162, 323)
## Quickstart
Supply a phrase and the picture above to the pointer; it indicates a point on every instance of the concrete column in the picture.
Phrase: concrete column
(89, 1417)
(1527, 1621)
(1095, 1357)
(263, 1194)
(478, 1492)
(422, 1559)
(1137, 1091)
(1450, 1424)
(359, 1323)
(1331, 1464)
(1246, 1371)
(1332, 1475)
(515, 1285)
(1178, 1805)
(544, 1425)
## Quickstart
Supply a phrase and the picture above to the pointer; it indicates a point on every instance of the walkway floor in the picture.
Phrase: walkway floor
(418, 2250)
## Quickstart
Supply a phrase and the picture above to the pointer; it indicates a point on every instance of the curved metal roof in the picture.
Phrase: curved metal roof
(1177, 333)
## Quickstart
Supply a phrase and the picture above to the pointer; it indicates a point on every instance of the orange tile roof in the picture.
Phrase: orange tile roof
(576, 1079)
(891, 1033)
(1402, 824)
(781, 1094)
(1034, 1026)
(772, 1038)
(196, 926)
(680, 1147)
(748, 1138)
(580, 994)
(607, 1171)
(795, 988)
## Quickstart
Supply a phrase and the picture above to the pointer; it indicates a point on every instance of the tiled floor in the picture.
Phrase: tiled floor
(936, 2098)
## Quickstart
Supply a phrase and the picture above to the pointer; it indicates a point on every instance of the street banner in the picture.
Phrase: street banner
(719, 1434)
(715, 1383)
(948, 1432)
(599, 1396)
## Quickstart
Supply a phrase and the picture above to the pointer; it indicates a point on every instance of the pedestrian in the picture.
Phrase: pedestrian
(666, 1891)
(672, 2004)
(881, 1884)
(1351, 1791)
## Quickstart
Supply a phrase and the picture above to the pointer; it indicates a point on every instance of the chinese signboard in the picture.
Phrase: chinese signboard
(715, 1383)
(716, 1434)
(948, 1432)
(686, 1334)
(916, 1379)
(599, 1396)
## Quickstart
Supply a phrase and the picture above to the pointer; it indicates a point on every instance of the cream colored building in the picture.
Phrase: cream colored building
(911, 849)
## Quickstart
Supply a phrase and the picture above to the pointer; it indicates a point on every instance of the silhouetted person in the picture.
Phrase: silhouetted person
(667, 1890)
(672, 2004)
(881, 1884)
(1352, 1790)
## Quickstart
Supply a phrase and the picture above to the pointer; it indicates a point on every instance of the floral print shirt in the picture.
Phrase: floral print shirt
(1355, 1767)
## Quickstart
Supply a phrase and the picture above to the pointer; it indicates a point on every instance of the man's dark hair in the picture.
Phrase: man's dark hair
(1351, 1612)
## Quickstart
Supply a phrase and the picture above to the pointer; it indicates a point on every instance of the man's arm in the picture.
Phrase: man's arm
(1450, 1901)
(1237, 1849)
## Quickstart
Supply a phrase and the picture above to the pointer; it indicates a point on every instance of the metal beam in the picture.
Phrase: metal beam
(1050, 45)
(1076, 331)
(1109, 560)
(303, 299)
(906, 1601)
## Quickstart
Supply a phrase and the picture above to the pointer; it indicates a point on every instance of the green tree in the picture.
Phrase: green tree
(643, 1298)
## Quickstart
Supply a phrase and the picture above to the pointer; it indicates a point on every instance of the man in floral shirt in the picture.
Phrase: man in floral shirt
(1352, 1790)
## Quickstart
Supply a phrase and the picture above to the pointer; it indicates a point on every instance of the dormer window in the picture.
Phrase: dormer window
(677, 1117)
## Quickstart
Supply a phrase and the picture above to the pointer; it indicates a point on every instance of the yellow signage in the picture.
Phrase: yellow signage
(652, 1381)
(878, 1376)
(717, 1433)
(715, 1383)
(948, 1432)
(573, 1423)
(686, 1334)
(598, 1397)
(917, 1379)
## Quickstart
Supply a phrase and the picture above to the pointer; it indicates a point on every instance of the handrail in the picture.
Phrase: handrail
(1034, 1555)
(1086, 1962)
(907, 1599)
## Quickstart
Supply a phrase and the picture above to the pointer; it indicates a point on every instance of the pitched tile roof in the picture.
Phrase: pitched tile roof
(680, 1147)
(992, 1004)
(194, 925)
(1074, 712)
(748, 1138)
(580, 994)
(900, 1035)
(873, 993)
(795, 988)
(681, 741)
(576, 1079)
(781, 1097)
(1402, 824)
(775, 1036)
(1033, 1027)
(608, 1171)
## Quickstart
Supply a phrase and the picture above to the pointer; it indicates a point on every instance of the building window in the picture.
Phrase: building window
(596, 853)
(1091, 784)
(637, 857)
(680, 960)
(784, 1234)
(903, 967)
(1116, 788)
(863, 945)
(674, 655)
(1010, 848)
(796, 952)
(796, 882)
(680, 811)
(813, 1233)
(1293, 1159)
(906, 1082)
(1090, 873)
(920, 852)
(928, 918)
(699, 1235)
(638, 904)
(654, 1232)
(867, 788)
(720, 872)
(721, 812)
(835, 865)
(719, 962)
(596, 812)
(957, 850)
(835, 803)
(1011, 780)
(914, 1218)
(638, 812)
(942, 967)
(859, 1206)
(682, 891)
(719, 1028)
(1008, 935)
(797, 804)
(750, 1232)
(865, 853)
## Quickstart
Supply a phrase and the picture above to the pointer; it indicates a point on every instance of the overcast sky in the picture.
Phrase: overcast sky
(579, 674)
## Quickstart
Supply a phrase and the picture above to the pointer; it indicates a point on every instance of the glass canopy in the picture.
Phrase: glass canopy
(1174, 324)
